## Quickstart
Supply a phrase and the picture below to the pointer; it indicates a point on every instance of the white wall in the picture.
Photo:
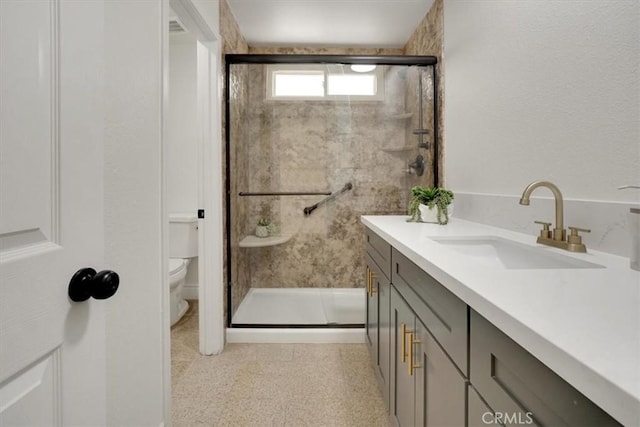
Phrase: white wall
(210, 12)
(201, 17)
(542, 90)
(182, 143)
(134, 54)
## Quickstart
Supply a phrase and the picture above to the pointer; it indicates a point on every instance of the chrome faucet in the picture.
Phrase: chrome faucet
(558, 238)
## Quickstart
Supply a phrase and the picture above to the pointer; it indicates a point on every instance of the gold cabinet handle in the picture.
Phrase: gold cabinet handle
(403, 353)
(368, 281)
(370, 276)
(372, 286)
(403, 348)
(411, 344)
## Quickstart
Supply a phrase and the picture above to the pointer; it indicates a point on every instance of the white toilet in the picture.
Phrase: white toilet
(183, 246)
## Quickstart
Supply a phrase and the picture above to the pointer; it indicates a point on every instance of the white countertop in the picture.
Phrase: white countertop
(582, 323)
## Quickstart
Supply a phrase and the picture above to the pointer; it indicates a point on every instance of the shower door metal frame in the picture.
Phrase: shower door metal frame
(230, 59)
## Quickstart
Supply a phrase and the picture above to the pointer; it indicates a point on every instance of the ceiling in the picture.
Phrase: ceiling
(329, 23)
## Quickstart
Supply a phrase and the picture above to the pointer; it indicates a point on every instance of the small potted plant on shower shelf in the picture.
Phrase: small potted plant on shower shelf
(265, 227)
(430, 204)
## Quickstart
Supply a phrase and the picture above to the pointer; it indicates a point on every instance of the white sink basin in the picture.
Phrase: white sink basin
(510, 254)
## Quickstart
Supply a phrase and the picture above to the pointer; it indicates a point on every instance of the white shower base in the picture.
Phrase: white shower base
(311, 307)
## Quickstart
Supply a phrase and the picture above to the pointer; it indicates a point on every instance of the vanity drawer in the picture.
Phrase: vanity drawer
(379, 250)
(444, 314)
(513, 381)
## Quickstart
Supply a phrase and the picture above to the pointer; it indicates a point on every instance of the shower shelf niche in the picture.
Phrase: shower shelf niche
(261, 242)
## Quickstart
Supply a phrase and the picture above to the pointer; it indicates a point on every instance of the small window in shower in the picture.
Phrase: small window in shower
(351, 84)
(298, 84)
(327, 82)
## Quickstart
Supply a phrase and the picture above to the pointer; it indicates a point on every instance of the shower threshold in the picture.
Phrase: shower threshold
(300, 315)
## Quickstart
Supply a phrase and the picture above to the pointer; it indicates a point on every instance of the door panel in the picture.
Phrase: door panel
(29, 119)
(440, 389)
(36, 387)
(383, 335)
(478, 413)
(403, 394)
(29, 189)
(52, 351)
(371, 295)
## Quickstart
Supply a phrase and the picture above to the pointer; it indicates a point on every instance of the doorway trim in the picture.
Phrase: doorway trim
(210, 200)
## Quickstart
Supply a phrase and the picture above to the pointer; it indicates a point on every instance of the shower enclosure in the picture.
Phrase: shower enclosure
(312, 143)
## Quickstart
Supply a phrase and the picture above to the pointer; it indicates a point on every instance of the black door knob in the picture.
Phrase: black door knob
(86, 283)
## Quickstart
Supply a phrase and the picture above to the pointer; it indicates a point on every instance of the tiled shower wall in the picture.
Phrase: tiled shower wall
(380, 184)
(427, 40)
(309, 146)
(239, 111)
(233, 42)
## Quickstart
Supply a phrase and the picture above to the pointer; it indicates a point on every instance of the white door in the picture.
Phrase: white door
(52, 350)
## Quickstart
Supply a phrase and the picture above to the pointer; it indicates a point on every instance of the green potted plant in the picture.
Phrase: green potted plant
(265, 227)
(430, 204)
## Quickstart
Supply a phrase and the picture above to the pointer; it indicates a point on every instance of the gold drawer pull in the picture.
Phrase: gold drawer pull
(403, 349)
(411, 343)
(372, 287)
(368, 281)
(370, 276)
(403, 353)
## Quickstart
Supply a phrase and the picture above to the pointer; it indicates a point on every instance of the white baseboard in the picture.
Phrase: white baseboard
(296, 336)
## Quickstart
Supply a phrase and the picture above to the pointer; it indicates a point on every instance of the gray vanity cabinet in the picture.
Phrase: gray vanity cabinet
(428, 349)
(444, 314)
(479, 414)
(440, 363)
(403, 393)
(518, 386)
(378, 263)
(371, 325)
(429, 390)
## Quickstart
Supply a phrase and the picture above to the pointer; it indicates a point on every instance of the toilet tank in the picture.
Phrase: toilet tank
(183, 235)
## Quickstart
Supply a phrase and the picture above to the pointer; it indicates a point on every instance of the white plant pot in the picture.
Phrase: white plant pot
(431, 214)
(262, 231)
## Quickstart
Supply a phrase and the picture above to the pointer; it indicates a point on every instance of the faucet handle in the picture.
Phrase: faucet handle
(575, 240)
(574, 237)
(545, 233)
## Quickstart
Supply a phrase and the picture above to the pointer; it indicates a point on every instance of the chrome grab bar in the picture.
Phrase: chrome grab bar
(309, 209)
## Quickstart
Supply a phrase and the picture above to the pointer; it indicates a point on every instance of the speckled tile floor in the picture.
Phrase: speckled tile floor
(272, 384)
